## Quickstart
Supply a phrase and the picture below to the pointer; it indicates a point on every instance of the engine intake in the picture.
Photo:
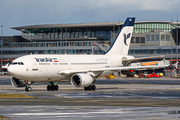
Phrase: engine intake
(82, 80)
(17, 83)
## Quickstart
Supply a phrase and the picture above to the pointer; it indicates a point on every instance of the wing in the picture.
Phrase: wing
(68, 72)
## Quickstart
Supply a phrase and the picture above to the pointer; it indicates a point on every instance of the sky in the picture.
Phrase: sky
(15, 13)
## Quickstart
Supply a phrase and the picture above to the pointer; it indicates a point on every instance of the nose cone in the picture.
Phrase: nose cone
(16, 71)
(12, 70)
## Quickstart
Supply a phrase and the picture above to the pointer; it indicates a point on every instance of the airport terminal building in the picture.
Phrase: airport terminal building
(149, 38)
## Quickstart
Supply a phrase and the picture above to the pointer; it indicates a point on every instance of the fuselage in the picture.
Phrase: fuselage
(45, 67)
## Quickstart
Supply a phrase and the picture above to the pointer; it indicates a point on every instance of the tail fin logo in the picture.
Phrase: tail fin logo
(126, 37)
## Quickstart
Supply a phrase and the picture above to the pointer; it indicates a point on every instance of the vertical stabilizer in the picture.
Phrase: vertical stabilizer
(123, 39)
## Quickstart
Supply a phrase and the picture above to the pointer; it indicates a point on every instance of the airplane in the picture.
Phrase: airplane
(80, 70)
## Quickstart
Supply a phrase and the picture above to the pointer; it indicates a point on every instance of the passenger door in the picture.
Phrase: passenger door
(34, 65)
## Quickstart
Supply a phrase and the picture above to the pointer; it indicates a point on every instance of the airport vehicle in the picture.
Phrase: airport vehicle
(80, 70)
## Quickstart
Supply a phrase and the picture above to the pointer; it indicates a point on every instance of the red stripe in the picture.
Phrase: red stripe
(56, 61)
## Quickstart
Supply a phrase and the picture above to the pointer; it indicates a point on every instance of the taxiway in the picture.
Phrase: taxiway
(121, 98)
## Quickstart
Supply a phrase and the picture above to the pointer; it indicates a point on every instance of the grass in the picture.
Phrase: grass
(15, 96)
(2, 117)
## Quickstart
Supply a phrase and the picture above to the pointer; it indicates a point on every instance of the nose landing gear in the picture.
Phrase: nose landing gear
(28, 88)
(52, 87)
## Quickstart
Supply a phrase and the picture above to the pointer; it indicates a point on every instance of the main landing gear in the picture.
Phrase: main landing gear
(91, 87)
(52, 87)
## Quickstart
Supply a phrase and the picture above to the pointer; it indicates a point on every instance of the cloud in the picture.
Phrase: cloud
(32, 12)
(158, 5)
(134, 5)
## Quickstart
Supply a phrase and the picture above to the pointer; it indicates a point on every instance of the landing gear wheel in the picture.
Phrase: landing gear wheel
(28, 89)
(91, 87)
(48, 87)
(52, 87)
(85, 88)
(56, 87)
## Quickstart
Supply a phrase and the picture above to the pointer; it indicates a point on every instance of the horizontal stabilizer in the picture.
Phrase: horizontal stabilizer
(6, 66)
(142, 58)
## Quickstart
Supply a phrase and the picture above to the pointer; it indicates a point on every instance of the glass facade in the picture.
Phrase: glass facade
(1, 42)
(152, 51)
(58, 51)
(158, 36)
(75, 47)
(96, 32)
(68, 47)
(149, 26)
(58, 44)
(101, 33)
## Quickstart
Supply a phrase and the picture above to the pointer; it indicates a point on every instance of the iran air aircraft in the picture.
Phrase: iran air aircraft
(80, 70)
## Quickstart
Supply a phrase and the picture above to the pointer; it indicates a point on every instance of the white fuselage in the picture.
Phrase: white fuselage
(45, 67)
(54, 68)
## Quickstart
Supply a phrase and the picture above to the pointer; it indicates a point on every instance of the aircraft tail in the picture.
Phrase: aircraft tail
(123, 39)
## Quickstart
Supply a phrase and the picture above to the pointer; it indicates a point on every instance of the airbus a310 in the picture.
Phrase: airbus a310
(80, 70)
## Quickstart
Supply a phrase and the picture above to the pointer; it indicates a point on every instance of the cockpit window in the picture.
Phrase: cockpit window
(17, 63)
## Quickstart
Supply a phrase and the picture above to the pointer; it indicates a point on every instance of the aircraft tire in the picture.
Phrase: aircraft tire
(52, 87)
(28, 89)
(90, 88)
(56, 87)
(93, 87)
(48, 87)
(85, 88)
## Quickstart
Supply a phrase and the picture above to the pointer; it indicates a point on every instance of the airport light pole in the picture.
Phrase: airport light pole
(66, 37)
(171, 38)
(113, 31)
(61, 36)
(177, 40)
(1, 41)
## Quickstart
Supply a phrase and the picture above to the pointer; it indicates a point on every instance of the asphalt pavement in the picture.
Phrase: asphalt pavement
(120, 98)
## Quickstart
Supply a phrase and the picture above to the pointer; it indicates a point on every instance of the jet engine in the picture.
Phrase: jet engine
(17, 83)
(82, 80)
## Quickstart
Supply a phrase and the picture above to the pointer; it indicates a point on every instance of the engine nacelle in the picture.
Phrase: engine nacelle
(17, 83)
(82, 80)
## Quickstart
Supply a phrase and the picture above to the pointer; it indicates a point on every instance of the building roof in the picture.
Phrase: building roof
(69, 25)
(84, 25)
